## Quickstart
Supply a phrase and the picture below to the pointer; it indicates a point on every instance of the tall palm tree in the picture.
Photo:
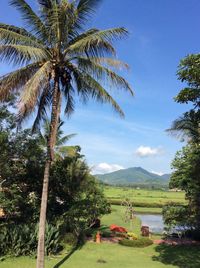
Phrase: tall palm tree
(58, 57)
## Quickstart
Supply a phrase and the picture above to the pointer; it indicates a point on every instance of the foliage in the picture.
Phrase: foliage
(60, 138)
(21, 164)
(174, 216)
(139, 243)
(75, 199)
(186, 164)
(21, 239)
(187, 127)
(132, 236)
(186, 176)
(189, 72)
(56, 46)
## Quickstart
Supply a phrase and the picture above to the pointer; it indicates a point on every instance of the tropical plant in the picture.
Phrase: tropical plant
(21, 239)
(187, 127)
(60, 139)
(58, 58)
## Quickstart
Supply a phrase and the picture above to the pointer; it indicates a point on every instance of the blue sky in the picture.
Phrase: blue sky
(161, 33)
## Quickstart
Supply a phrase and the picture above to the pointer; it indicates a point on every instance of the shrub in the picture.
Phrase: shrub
(21, 239)
(106, 233)
(132, 236)
(70, 239)
(140, 243)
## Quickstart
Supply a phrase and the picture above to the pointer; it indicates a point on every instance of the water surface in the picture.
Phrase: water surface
(155, 222)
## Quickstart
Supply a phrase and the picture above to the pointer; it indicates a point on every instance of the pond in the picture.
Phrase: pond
(154, 221)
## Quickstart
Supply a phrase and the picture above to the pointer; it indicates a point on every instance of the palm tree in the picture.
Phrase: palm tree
(187, 127)
(58, 58)
(60, 139)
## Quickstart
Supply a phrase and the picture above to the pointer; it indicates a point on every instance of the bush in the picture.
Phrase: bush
(21, 239)
(132, 236)
(106, 233)
(140, 243)
(70, 239)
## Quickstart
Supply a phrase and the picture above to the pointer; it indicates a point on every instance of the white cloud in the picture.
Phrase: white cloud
(146, 151)
(105, 168)
(157, 172)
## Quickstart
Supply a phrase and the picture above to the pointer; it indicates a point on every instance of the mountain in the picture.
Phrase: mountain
(134, 176)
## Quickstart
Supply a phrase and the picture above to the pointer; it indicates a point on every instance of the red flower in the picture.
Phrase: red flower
(116, 228)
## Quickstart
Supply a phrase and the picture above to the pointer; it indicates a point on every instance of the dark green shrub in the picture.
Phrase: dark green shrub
(106, 233)
(52, 240)
(140, 243)
(21, 239)
(70, 239)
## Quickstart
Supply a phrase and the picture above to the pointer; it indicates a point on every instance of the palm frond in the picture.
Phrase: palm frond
(31, 18)
(187, 127)
(110, 62)
(14, 81)
(69, 91)
(63, 140)
(20, 54)
(45, 3)
(32, 91)
(9, 37)
(81, 36)
(19, 30)
(85, 9)
(97, 43)
(102, 73)
(87, 87)
(56, 15)
(43, 103)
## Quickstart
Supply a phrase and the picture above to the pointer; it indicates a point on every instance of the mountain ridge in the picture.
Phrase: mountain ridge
(134, 176)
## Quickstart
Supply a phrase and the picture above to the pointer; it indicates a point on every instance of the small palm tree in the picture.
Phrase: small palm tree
(60, 139)
(187, 127)
(58, 58)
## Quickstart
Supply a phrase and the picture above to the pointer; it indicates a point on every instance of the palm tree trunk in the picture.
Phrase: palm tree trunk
(50, 155)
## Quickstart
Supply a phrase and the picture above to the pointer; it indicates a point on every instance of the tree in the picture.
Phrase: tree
(186, 176)
(129, 214)
(189, 72)
(187, 127)
(60, 139)
(58, 57)
(74, 199)
(186, 164)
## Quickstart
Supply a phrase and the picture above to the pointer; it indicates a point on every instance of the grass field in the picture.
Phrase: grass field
(106, 255)
(116, 256)
(143, 198)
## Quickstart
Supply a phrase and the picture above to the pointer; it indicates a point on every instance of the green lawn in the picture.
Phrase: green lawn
(106, 255)
(143, 197)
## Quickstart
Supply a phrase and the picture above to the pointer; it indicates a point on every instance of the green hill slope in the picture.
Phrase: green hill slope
(135, 176)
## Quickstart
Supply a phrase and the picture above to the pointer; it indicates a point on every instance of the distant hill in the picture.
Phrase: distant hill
(134, 176)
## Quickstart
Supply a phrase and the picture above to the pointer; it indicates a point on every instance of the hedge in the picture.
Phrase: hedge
(140, 243)
(144, 204)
